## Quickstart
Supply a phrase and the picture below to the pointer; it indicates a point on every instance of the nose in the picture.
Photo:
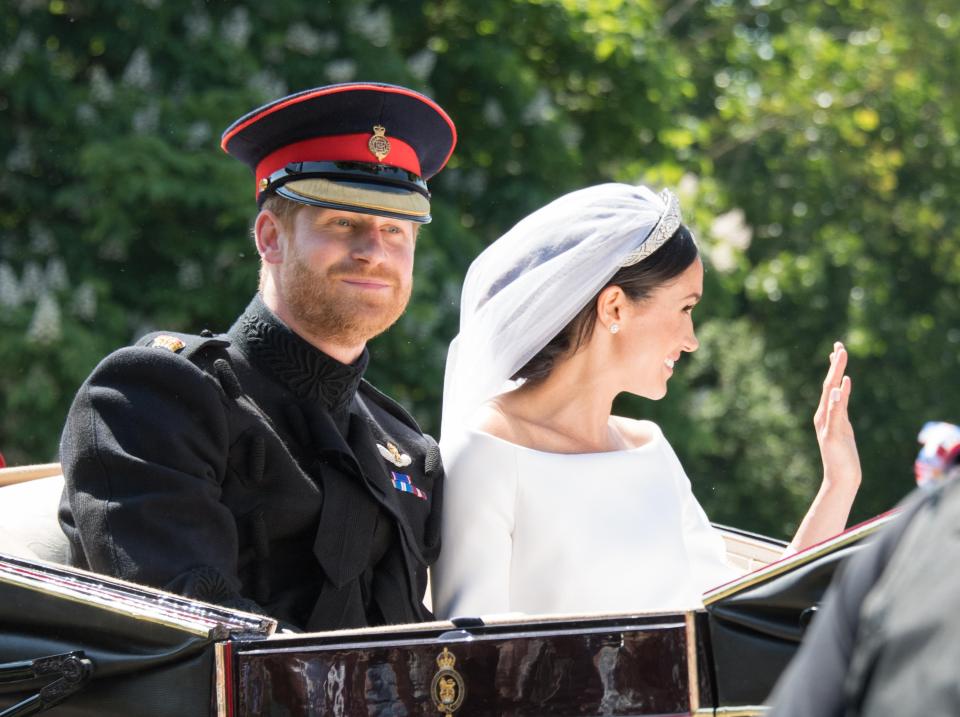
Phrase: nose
(367, 245)
(691, 343)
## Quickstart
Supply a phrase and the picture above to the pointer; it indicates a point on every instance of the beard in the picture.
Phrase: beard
(327, 308)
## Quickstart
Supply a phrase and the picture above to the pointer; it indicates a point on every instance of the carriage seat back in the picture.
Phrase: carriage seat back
(29, 527)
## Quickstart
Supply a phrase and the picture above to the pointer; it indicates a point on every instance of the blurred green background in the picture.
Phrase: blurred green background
(814, 146)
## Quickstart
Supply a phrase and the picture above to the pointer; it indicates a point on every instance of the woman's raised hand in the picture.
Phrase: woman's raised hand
(838, 446)
(828, 513)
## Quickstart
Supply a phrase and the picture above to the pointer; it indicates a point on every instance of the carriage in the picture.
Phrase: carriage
(78, 643)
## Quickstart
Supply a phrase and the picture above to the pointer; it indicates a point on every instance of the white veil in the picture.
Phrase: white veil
(530, 283)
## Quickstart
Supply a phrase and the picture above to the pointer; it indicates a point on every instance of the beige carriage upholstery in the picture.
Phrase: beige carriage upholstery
(748, 553)
(29, 498)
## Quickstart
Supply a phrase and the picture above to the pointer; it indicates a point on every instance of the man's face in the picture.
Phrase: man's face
(347, 276)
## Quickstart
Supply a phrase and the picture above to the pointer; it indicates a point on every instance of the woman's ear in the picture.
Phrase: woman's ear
(269, 235)
(610, 304)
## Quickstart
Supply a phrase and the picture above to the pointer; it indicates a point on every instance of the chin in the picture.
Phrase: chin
(650, 394)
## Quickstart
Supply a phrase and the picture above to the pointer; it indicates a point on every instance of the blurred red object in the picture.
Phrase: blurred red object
(940, 451)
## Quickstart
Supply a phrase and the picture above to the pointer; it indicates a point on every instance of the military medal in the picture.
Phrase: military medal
(379, 145)
(403, 483)
(393, 454)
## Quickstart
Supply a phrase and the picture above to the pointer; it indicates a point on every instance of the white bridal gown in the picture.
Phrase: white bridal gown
(536, 532)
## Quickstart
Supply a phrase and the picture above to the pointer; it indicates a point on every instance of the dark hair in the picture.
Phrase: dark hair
(637, 282)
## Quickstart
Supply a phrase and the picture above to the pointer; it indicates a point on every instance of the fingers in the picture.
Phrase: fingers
(838, 364)
(837, 419)
(840, 394)
(834, 381)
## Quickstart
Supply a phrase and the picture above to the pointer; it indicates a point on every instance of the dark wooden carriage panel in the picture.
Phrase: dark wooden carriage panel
(632, 665)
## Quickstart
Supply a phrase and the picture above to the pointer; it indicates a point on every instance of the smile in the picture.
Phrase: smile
(669, 363)
(367, 283)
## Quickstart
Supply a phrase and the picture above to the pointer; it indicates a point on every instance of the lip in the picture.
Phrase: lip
(367, 283)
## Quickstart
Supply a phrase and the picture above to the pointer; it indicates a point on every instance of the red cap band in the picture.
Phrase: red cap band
(339, 148)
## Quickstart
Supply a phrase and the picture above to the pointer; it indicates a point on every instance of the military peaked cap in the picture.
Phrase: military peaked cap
(363, 147)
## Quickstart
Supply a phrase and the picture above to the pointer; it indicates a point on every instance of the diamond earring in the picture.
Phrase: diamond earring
(614, 328)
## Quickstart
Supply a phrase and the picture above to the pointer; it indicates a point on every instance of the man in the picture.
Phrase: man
(257, 469)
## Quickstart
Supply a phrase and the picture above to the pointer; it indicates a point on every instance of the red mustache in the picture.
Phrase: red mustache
(355, 272)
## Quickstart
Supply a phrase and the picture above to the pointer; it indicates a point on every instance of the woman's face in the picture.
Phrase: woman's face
(654, 333)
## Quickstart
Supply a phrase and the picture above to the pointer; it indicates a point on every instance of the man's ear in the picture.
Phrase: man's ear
(270, 237)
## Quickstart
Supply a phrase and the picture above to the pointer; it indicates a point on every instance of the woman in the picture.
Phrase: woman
(551, 503)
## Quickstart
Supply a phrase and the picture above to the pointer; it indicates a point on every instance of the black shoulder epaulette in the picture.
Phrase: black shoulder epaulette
(387, 404)
(186, 345)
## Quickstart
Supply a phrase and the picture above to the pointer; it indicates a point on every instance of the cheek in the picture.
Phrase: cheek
(648, 346)
(403, 261)
(634, 353)
(331, 256)
(308, 252)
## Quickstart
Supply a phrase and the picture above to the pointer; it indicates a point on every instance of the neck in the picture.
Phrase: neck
(345, 354)
(574, 401)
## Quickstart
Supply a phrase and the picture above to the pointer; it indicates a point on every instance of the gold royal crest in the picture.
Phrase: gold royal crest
(447, 688)
(379, 145)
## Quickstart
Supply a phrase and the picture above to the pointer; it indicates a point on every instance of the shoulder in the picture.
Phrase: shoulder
(493, 420)
(473, 452)
(648, 436)
(637, 432)
(148, 389)
(164, 349)
(192, 347)
(482, 476)
(161, 363)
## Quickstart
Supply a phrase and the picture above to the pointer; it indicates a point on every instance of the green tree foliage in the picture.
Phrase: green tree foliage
(834, 129)
(815, 147)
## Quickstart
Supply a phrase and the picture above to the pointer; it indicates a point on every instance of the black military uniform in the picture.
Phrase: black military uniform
(250, 469)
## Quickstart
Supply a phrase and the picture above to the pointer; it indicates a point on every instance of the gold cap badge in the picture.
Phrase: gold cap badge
(171, 343)
(379, 145)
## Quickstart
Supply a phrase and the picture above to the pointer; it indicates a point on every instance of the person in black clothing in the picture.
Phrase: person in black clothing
(257, 469)
(887, 641)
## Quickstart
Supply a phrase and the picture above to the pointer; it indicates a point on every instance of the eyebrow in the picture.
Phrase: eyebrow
(694, 296)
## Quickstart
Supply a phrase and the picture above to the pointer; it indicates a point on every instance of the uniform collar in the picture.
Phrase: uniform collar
(306, 371)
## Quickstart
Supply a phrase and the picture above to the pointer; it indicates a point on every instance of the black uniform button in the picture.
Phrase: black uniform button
(206, 333)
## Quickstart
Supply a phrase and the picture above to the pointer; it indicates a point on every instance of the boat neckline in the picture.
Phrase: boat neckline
(654, 440)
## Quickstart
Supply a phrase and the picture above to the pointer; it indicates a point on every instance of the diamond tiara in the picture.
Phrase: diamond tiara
(665, 228)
